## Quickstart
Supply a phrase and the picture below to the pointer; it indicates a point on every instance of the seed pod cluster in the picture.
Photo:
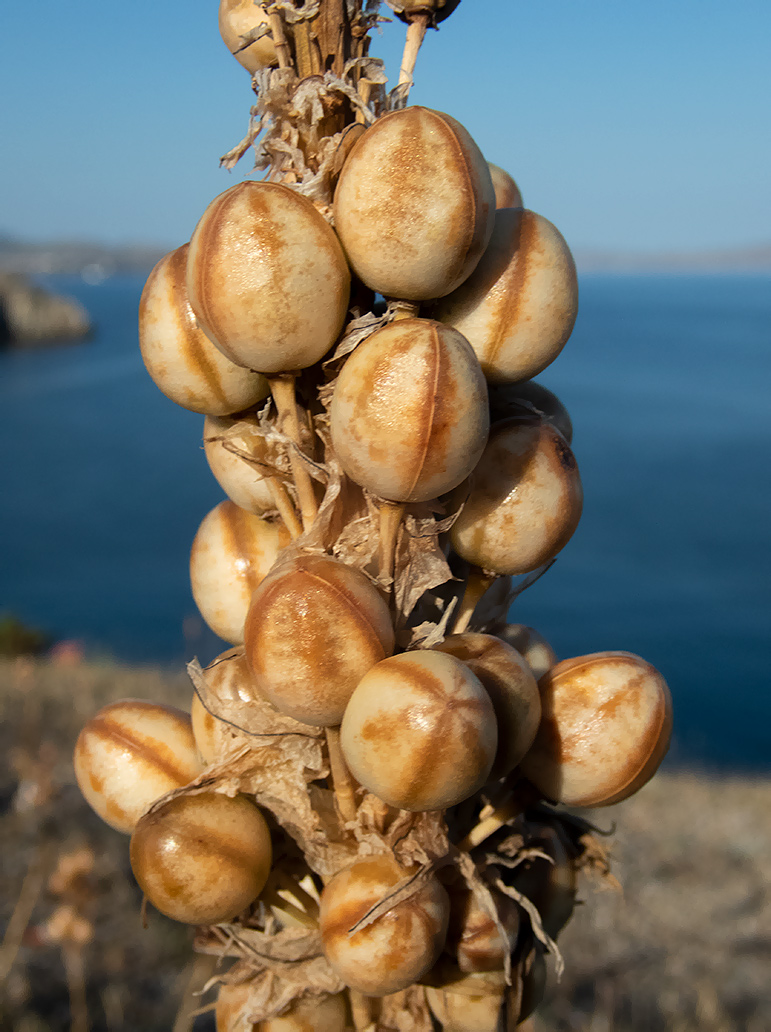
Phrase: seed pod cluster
(410, 757)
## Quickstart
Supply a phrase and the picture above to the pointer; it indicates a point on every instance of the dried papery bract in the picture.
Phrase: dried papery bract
(397, 948)
(512, 688)
(519, 305)
(130, 754)
(409, 414)
(548, 883)
(307, 1014)
(267, 278)
(532, 646)
(245, 18)
(507, 193)
(202, 858)
(518, 399)
(474, 939)
(180, 358)
(420, 732)
(231, 554)
(228, 681)
(525, 500)
(607, 720)
(315, 627)
(414, 205)
(229, 444)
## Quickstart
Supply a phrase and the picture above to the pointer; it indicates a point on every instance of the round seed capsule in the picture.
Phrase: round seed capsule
(518, 399)
(228, 677)
(532, 646)
(307, 1014)
(241, 481)
(440, 9)
(607, 720)
(414, 205)
(130, 754)
(473, 1006)
(315, 627)
(409, 416)
(180, 358)
(396, 949)
(232, 552)
(519, 305)
(473, 937)
(513, 691)
(236, 19)
(525, 500)
(267, 278)
(507, 193)
(419, 731)
(202, 858)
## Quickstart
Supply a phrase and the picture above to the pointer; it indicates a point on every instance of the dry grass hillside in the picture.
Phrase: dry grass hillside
(687, 946)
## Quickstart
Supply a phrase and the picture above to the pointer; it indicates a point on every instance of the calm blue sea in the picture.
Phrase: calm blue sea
(667, 381)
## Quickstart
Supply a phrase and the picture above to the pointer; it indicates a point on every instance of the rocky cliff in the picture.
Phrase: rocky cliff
(30, 315)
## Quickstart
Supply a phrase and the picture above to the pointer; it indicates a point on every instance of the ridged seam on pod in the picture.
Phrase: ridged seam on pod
(409, 416)
(607, 720)
(518, 307)
(525, 500)
(267, 278)
(414, 205)
(130, 754)
(396, 949)
(420, 731)
(236, 19)
(507, 193)
(180, 358)
(232, 552)
(314, 628)
(244, 484)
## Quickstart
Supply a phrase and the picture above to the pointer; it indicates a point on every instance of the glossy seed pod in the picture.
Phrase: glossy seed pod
(315, 627)
(231, 554)
(532, 646)
(507, 193)
(396, 949)
(519, 305)
(236, 19)
(227, 677)
(414, 205)
(202, 859)
(473, 938)
(439, 9)
(516, 399)
(180, 358)
(267, 278)
(607, 720)
(469, 1010)
(130, 754)
(420, 732)
(307, 1014)
(525, 500)
(409, 416)
(512, 688)
(243, 482)
(549, 884)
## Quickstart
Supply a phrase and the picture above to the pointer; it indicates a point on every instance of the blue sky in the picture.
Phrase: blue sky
(632, 124)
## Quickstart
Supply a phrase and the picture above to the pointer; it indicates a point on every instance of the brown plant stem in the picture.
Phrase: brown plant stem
(288, 884)
(31, 888)
(342, 780)
(361, 1009)
(283, 389)
(285, 909)
(201, 969)
(75, 970)
(391, 514)
(489, 824)
(283, 52)
(416, 32)
(285, 508)
(477, 584)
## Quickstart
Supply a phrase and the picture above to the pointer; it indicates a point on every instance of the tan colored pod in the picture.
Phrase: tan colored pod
(232, 552)
(519, 305)
(409, 416)
(306, 1014)
(439, 9)
(241, 481)
(469, 1010)
(414, 205)
(180, 358)
(525, 500)
(130, 754)
(202, 858)
(314, 628)
(507, 193)
(512, 688)
(549, 883)
(532, 646)
(267, 278)
(419, 731)
(607, 721)
(227, 677)
(396, 949)
(236, 19)
(473, 937)
(529, 396)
